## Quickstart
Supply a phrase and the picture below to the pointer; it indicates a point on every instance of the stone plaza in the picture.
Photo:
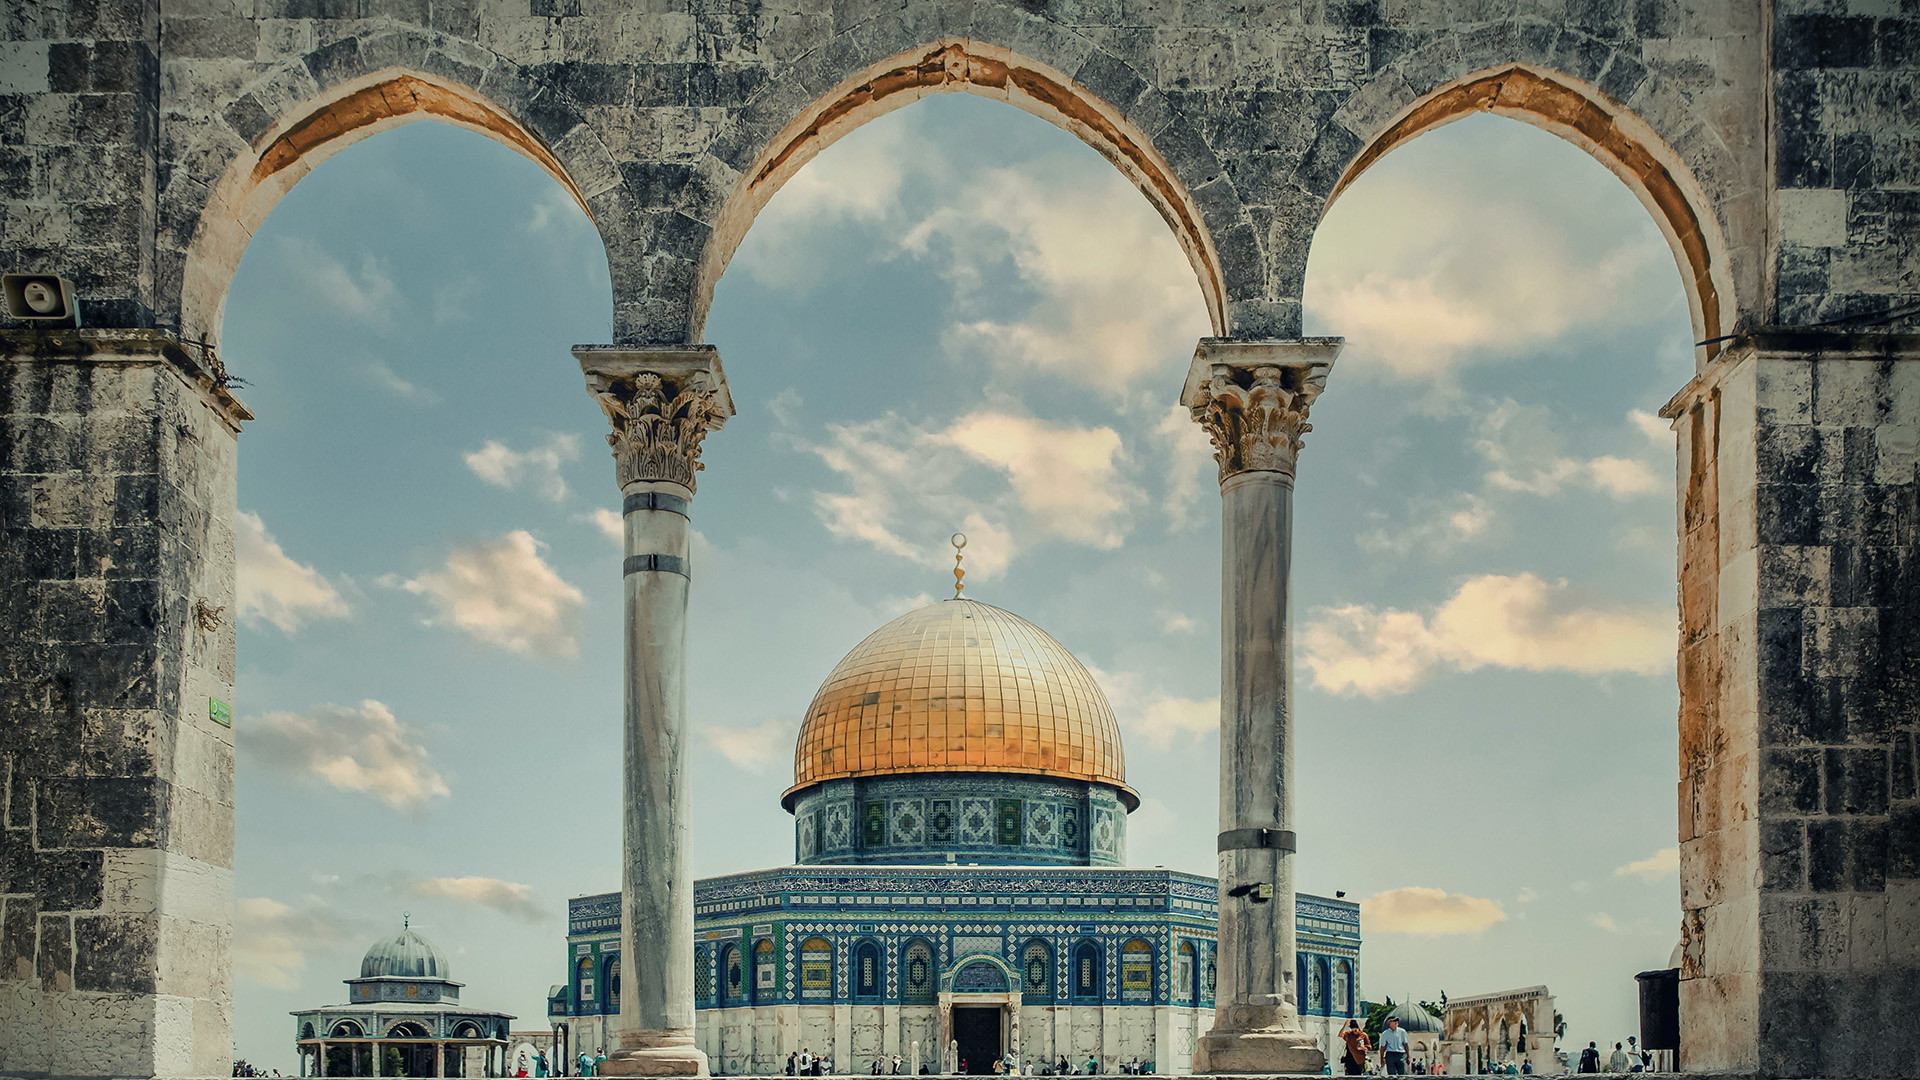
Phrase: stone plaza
(1772, 141)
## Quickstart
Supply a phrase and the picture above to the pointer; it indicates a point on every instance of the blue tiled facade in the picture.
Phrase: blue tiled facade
(901, 935)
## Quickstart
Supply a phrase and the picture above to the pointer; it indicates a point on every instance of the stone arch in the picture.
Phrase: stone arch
(1391, 111)
(313, 106)
(346, 1029)
(953, 65)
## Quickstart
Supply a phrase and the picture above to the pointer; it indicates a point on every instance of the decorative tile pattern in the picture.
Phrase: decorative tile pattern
(976, 821)
(908, 824)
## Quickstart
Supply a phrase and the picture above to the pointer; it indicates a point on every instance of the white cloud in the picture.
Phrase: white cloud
(1468, 279)
(271, 587)
(1116, 301)
(367, 295)
(510, 898)
(1428, 912)
(1191, 470)
(383, 376)
(1160, 718)
(1518, 622)
(1660, 864)
(1006, 481)
(1065, 477)
(610, 524)
(752, 748)
(503, 593)
(537, 468)
(1604, 921)
(1434, 525)
(271, 940)
(555, 209)
(1658, 432)
(858, 179)
(1527, 895)
(1175, 622)
(1525, 453)
(362, 749)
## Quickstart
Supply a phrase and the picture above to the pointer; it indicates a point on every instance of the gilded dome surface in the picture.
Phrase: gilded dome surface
(960, 686)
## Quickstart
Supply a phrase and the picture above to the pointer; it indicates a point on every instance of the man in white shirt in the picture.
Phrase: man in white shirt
(1393, 1048)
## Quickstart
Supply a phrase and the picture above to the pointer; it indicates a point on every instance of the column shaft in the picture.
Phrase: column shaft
(1256, 965)
(657, 887)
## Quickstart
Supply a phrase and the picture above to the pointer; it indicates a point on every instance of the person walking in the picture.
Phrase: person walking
(586, 1064)
(1093, 1065)
(1355, 1059)
(1393, 1048)
(1590, 1059)
(793, 1061)
(540, 1066)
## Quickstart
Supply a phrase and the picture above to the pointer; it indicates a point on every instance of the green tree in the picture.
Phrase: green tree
(1377, 1019)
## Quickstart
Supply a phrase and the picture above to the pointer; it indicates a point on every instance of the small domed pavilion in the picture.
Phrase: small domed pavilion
(403, 1017)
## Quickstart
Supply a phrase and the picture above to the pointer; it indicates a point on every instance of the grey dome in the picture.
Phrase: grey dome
(1415, 1019)
(405, 955)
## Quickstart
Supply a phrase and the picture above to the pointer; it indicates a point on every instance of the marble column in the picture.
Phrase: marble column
(1252, 398)
(661, 401)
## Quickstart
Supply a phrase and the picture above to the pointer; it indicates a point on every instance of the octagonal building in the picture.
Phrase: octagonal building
(959, 893)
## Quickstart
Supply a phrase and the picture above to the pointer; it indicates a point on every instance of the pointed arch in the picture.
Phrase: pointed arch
(952, 65)
(1582, 114)
(268, 147)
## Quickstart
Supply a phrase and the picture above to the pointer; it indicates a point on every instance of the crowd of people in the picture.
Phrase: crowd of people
(804, 1062)
(1629, 1058)
(243, 1068)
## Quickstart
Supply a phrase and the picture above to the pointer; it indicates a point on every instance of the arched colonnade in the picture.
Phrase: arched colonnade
(1240, 124)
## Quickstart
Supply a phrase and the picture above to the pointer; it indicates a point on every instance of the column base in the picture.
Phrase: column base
(672, 1055)
(1264, 1040)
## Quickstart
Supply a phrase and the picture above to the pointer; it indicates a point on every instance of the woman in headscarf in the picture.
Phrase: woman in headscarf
(1357, 1046)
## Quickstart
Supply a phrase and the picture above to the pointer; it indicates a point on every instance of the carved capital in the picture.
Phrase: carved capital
(662, 401)
(1252, 397)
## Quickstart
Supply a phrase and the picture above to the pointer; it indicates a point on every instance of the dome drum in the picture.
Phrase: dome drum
(991, 819)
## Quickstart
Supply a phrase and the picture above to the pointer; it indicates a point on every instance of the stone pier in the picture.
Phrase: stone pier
(661, 402)
(1252, 397)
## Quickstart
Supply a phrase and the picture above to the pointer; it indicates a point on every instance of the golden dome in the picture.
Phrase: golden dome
(960, 686)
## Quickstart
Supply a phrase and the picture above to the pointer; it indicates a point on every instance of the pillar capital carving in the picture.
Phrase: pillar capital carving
(1252, 397)
(661, 400)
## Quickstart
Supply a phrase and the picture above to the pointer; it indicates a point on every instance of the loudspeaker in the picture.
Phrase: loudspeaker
(40, 296)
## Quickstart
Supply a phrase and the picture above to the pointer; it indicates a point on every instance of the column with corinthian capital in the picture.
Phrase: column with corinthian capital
(1252, 397)
(661, 401)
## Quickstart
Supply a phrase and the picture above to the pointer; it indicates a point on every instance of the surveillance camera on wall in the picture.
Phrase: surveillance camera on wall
(40, 297)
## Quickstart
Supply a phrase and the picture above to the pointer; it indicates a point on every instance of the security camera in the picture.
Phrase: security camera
(40, 297)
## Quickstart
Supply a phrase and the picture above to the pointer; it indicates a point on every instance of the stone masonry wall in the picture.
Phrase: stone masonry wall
(1800, 667)
(116, 555)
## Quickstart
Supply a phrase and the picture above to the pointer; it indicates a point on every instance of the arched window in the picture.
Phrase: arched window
(1184, 985)
(346, 1029)
(979, 977)
(583, 988)
(733, 980)
(1315, 1001)
(764, 991)
(702, 974)
(816, 969)
(306, 1031)
(868, 978)
(1343, 988)
(1036, 973)
(610, 978)
(1086, 972)
(917, 983)
(1136, 971)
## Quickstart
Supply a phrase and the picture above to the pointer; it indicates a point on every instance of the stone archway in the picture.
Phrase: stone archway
(955, 65)
(1614, 136)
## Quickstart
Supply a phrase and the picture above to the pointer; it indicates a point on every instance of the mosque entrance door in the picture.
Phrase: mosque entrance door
(977, 1029)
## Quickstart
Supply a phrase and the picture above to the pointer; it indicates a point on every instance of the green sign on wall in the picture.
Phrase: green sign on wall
(220, 711)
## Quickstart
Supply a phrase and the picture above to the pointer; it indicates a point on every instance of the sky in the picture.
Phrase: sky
(957, 317)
